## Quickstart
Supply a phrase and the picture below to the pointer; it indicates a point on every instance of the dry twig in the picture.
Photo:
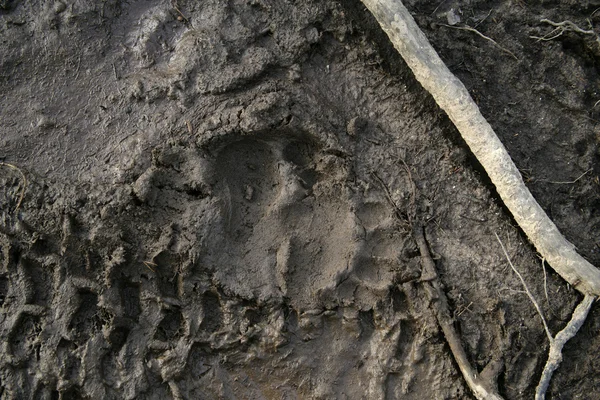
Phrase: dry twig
(149, 265)
(181, 15)
(483, 385)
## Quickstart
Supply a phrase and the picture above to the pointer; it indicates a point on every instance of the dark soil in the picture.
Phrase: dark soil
(220, 197)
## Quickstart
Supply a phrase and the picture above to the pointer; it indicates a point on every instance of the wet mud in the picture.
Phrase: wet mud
(220, 197)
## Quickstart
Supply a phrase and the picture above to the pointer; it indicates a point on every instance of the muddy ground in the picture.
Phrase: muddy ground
(220, 197)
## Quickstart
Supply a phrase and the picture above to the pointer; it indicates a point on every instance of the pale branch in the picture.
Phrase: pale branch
(557, 344)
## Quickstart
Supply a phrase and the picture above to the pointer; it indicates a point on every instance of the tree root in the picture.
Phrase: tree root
(562, 27)
(483, 385)
(558, 342)
(452, 96)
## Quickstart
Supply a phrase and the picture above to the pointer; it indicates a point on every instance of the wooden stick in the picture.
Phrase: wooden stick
(484, 389)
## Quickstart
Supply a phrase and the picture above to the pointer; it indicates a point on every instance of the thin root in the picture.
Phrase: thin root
(24, 184)
(545, 281)
(562, 27)
(570, 182)
(549, 36)
(535, 304)
(568, 26)
(468, 28)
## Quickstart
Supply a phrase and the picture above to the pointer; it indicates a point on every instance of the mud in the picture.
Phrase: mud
(220, 198)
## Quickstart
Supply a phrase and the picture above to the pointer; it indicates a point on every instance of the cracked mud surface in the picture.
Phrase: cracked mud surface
(220, 197)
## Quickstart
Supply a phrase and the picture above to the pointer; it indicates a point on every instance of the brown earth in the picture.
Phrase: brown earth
(220, 198)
